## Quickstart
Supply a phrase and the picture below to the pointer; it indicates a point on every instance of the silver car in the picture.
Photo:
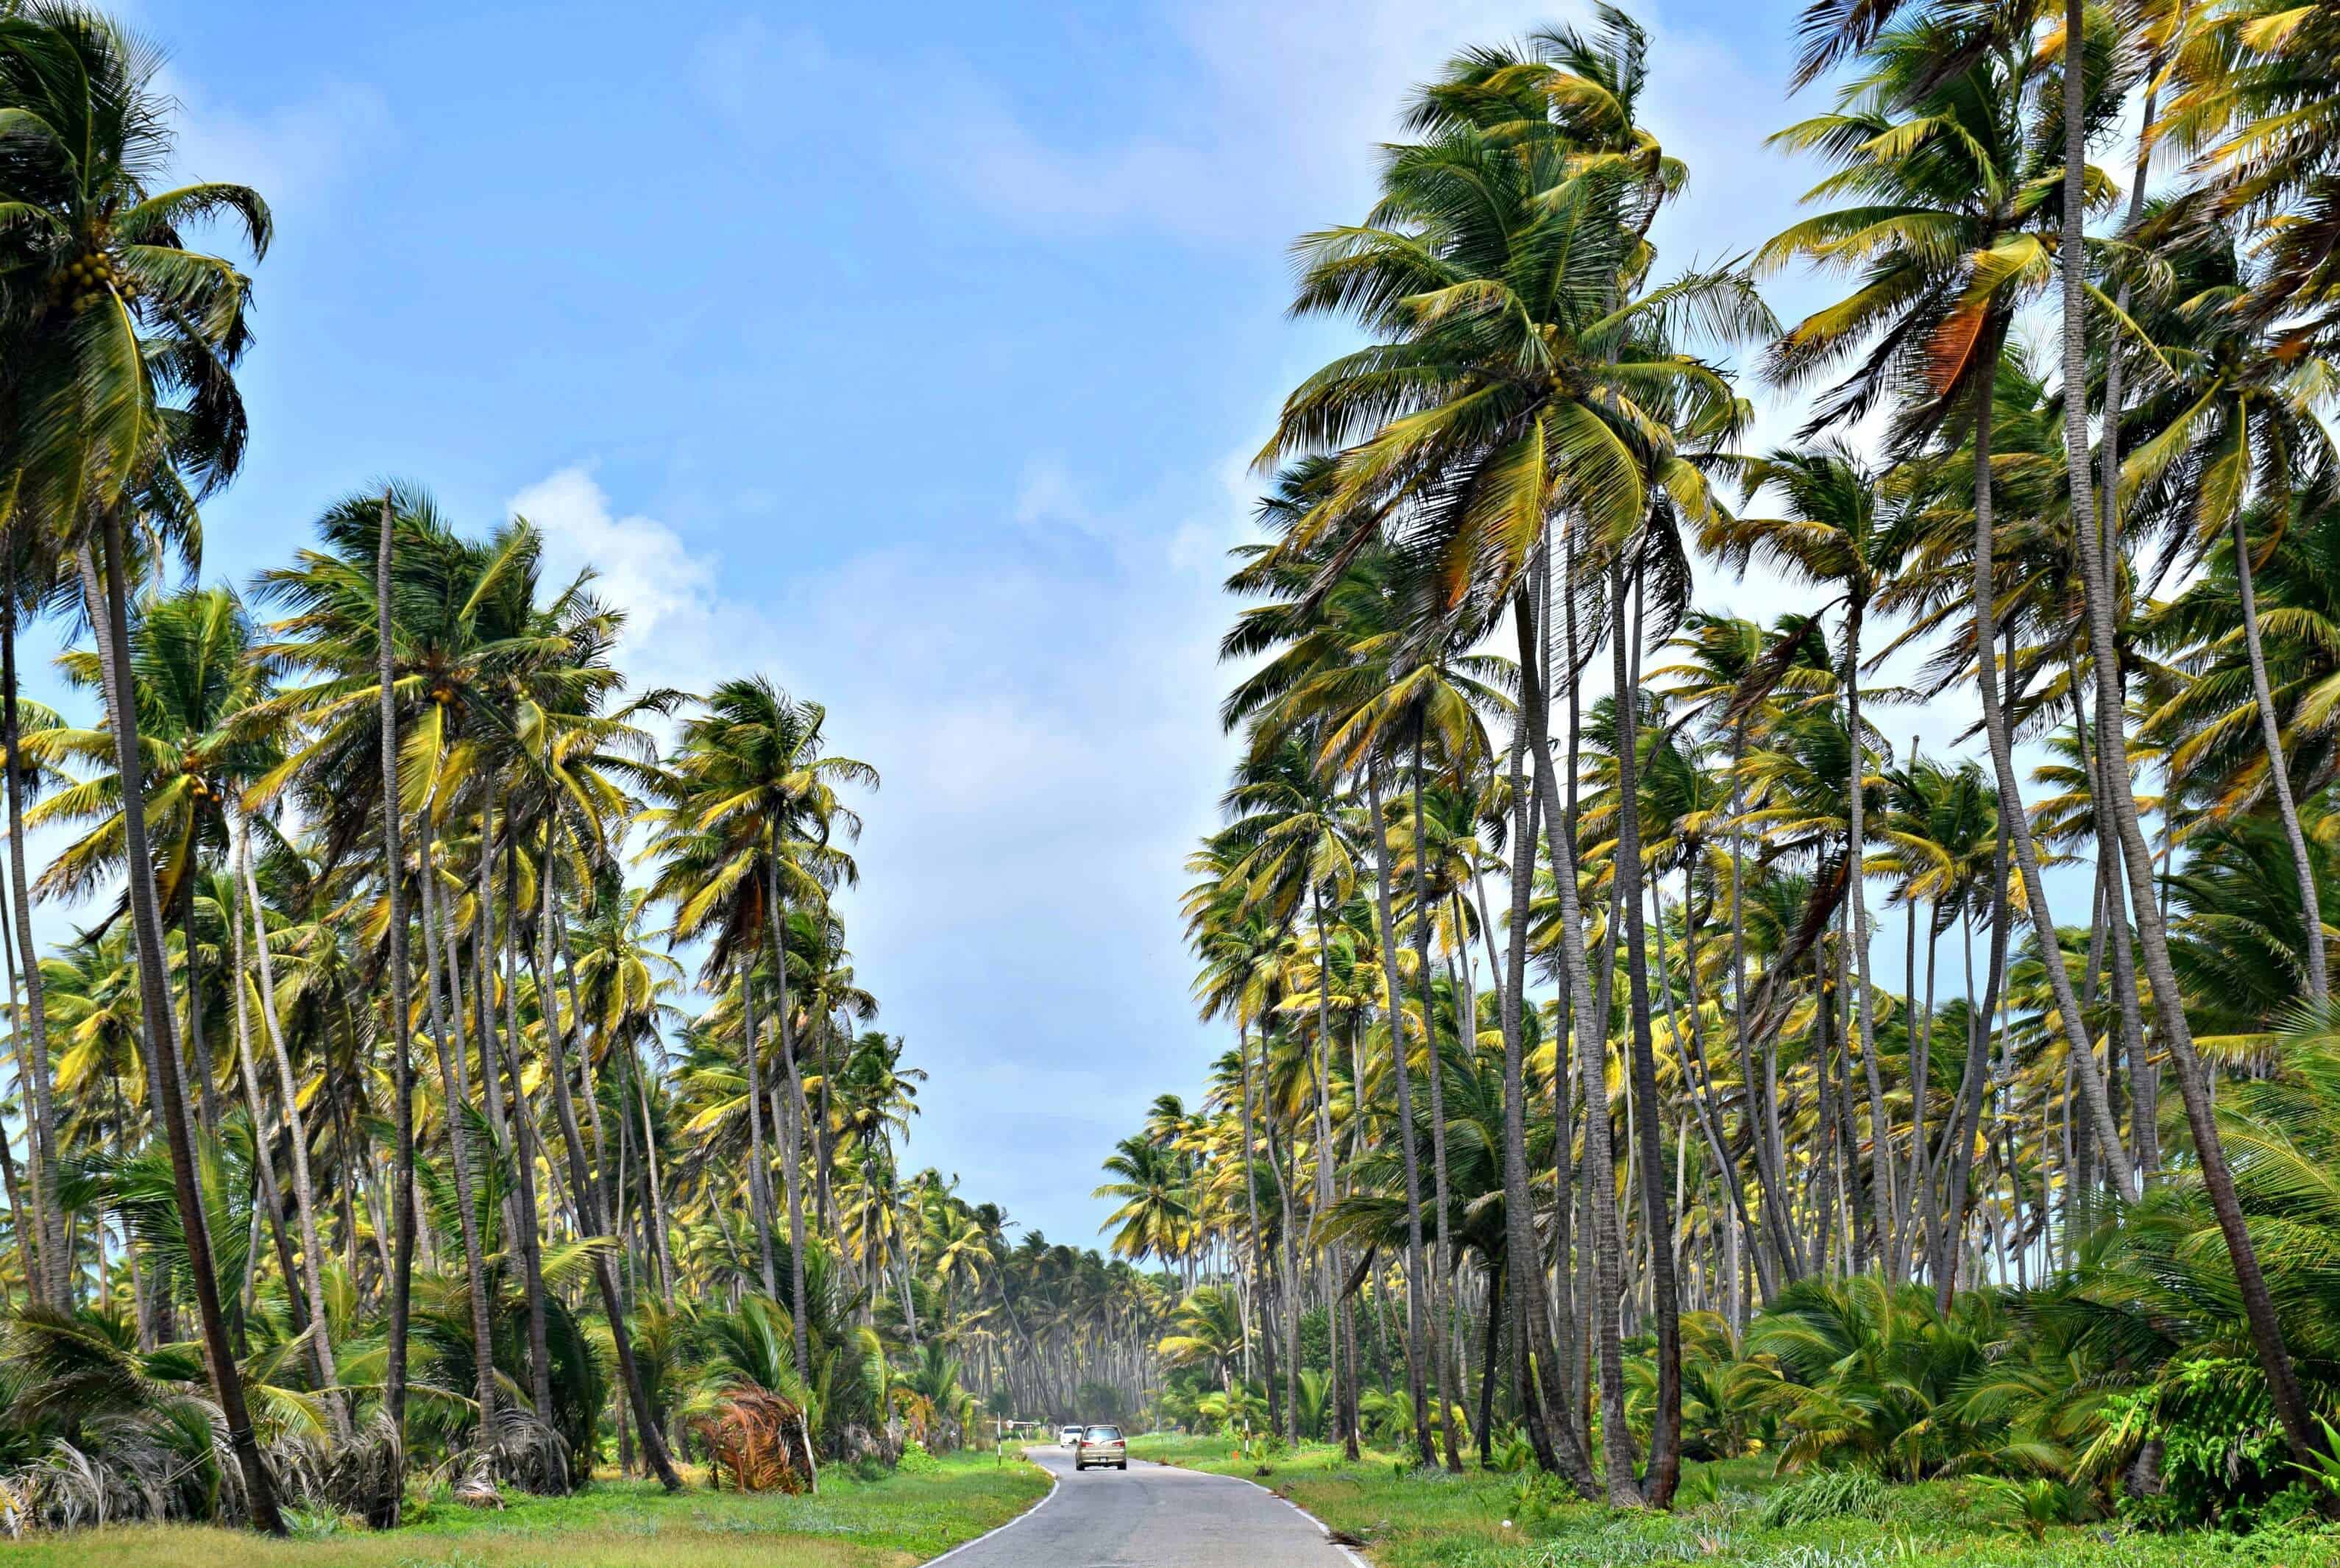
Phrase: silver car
(1069, 1437)
(1100, 1446)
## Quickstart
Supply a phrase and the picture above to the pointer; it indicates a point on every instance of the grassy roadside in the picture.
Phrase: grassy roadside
(894, 1523)
(1479, 1520)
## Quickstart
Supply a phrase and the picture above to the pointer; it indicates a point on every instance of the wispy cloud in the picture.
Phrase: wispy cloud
(1247, 126)
(296, 153)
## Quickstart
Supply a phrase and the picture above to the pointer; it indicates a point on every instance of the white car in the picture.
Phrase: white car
(1069, 1437)
(1100, 1446)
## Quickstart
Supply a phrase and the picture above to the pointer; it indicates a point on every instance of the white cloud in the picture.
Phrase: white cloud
(1045, 733)
(641, 564)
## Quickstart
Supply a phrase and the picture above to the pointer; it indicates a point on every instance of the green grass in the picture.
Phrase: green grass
(1477, 1519)
(889, 1524)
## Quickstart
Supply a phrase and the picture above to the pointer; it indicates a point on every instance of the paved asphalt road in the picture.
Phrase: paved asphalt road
(1152, 1516)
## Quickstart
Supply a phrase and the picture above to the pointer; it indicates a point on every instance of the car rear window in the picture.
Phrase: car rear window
(1104, 1434)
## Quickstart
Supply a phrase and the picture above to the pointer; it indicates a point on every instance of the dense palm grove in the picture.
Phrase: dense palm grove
(365, 1139)
(1577, 1109)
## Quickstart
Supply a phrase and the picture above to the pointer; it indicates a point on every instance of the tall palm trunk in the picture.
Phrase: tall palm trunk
(654, 1183)
(1657, 1214)
(1288, 1286)
(263, 1149)
(2017, 823)
(586, 1192)
(1543, 1401)
(207, 1109)
(1409, 1155)
(791, 1175)
(1603, 1228)
(1442, 1290)
(447, 1044)
(304, 1191)
(396, 1005)
(1329, 1256)
(2178, 1038)
(760, 1168)
(2319, 989)
(1759, 1103)
(2144, 1076)
(1254, 1293)
(109, 621)
(1697, 1079)
(1920, 1030)
(41, 1113)
(526, 1144)
(1882, 1192)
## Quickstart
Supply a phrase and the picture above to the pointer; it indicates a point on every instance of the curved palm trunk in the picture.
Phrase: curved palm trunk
(589, 1197)
(42, 1112)
(1408, 1155)
(2218, 1180)
(1698, 1079)
(2319, 989)
(2010, 793)
(1603, 1228)
(1759, 1103)
(1657, 1214)
(110, 620)
(484, 997)
(270, 1205)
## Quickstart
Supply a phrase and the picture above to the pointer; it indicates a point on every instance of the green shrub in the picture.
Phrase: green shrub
(2036, 1502)
(916, 1461)
(1829, 1495)
(1512, 1452)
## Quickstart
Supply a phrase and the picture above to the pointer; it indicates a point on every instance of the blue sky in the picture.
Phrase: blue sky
(913, 355)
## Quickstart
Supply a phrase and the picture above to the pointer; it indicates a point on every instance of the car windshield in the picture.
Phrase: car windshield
(1104, 1434)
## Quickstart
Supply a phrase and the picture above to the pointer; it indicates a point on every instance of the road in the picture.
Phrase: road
(1151, 1516)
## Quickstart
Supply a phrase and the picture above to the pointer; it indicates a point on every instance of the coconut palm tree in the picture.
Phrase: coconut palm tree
(751, 797)
(121, 397)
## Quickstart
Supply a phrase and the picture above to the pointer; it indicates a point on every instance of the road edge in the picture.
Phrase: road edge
(1326, 1529)
(1055, 1483)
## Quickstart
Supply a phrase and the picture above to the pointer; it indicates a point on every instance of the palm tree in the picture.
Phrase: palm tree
(1949, 241)
(197, 689)
(2233, 431)
(1154, 1216)
(1517, 374)
(752, 798)
(122, 396)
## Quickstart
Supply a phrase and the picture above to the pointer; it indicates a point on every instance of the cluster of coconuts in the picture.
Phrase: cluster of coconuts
(88, 276)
